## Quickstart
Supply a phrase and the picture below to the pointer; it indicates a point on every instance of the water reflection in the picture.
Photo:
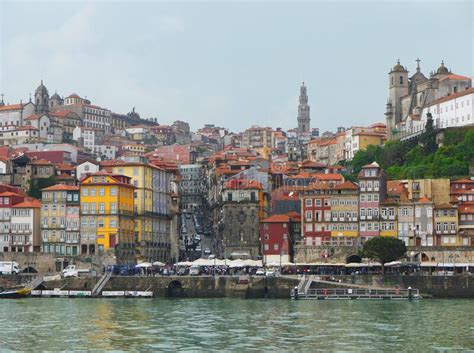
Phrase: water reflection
(235, 325)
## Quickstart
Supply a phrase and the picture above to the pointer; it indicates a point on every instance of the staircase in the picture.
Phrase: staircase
(34, 283)
(103, 280)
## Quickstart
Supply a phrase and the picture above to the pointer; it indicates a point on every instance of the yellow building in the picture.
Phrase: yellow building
(344, 210)
(152, 208)
(107, 214)
(446, 225)
(437, 190)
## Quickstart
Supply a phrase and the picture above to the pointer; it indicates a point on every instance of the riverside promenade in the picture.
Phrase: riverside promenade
(255, 286)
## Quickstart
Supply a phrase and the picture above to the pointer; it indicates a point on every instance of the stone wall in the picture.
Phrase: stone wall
(330, 254)
(51, 263)
(191, 287)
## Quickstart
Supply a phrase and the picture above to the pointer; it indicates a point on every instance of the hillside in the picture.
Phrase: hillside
(422, 158)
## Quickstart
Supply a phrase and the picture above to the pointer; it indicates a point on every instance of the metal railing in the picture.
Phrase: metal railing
(341, 293)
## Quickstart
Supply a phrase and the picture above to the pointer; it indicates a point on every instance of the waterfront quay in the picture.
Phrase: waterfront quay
(280, 287)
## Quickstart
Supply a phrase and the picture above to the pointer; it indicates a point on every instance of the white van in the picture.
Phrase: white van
(9, 267)
(195, 270)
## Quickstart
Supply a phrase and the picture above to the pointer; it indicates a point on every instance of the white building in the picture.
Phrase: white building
(25, 226)
(108, 151)
(10, 136)
(86, 136)
(14, 115)
(454, 110)
(86, 167)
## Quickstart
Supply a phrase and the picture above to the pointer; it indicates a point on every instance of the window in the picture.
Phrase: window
(308, 227)
(401, 80)
(84, 208)
(369, 198)
(362, 198)
(113, 191)
(101, 192)
(429, 212)
(362, 212)
(101, 207)
(445, 227)
(376, 197)
(376, 185)
(100, 223)
(92, 192)
(309, 215)
(317, 202)
(84, 191)
(308, 202)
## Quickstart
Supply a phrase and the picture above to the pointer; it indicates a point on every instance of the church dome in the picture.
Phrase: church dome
(56, 96)
(442, 69)
(398, 67)
(41, 90)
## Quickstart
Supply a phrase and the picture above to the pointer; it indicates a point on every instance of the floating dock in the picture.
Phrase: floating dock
(60, 293)
(351, 294)
(304, 291)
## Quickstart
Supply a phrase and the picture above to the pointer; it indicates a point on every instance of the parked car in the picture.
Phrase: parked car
(270, 273)
(260, 272)
(74, 271)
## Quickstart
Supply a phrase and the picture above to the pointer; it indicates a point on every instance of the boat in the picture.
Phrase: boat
(14, 293)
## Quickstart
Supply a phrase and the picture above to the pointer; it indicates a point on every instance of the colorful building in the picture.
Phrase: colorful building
(345, 210)
(152, 200)
(277, 238)
(107, 214)
(60, 220)
(25, 226)
(446, 225)
(373, 190)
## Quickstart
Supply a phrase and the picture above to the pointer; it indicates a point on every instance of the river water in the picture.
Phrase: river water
(236, 325)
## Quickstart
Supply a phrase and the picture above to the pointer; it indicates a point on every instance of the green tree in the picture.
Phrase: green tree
(428, 138)
(384, 249)
(37, 184)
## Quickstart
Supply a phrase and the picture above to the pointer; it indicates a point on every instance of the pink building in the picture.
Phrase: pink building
(373, 190)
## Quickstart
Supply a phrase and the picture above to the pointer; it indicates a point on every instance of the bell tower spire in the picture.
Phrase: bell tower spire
(304, 119)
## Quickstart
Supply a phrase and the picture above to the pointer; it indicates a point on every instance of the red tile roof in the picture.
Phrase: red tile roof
(347, 185)
(455, 77)
(8, 193)
(27, 127)
(237, 184)
(329, 176)
(424, 200)
(12, 107)
(28, 204)
(452, 96)
(40, 161)
(276, 218)
(61, 187)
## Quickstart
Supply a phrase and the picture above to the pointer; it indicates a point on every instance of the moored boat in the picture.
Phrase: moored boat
(14, 293)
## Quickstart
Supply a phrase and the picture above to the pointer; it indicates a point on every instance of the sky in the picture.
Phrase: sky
(232, 64)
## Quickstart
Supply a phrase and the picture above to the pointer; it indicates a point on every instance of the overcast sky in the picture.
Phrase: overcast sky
(232, 64)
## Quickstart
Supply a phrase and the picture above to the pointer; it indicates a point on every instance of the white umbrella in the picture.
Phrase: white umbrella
(184, 263)
(144, 265)
(158, 263)
(236, 263)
